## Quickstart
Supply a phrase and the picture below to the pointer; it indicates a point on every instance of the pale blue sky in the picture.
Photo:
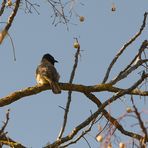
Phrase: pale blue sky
(37, 119)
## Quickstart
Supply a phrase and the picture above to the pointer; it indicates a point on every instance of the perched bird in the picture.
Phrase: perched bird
(46, 73)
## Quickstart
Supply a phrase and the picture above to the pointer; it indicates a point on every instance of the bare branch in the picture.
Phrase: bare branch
(124, 47)
(65, 86)
(30, 5)
(79, 137)
(12, 15)
(5, 123)
(137, 61)
(141, 123)
(5, 140)
(111, 119)
(14, 56)
(4, 32)
(74, 131)
(58, 13)
(2, 7)
(95, 115)
(69, 92)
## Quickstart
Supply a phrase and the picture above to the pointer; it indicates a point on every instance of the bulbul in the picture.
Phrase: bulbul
(46, 73)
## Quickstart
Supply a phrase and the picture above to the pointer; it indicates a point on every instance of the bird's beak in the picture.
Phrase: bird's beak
(56, 61)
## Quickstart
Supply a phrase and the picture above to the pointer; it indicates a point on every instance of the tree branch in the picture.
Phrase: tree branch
(114, 121)
(5, 123)
(80, 136)
(141, 123)
(5, 140)
(69, 92)
(94, 115)
(4, 32)
(124, 47)
(137, 61)
(65, 86)
(2, 7)
(12, 15)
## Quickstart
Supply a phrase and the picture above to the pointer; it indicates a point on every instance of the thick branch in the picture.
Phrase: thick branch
(5, 140)
(65, 86)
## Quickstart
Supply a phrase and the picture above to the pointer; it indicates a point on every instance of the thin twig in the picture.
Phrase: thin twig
(102, 128)
(141, 123)
(31, 5)
(80, 136)
(14, 56)
(2, 7)
(5, 122)
(63, 13)
(5, 140)
(57, 13)
(86, 142)
(69, 92)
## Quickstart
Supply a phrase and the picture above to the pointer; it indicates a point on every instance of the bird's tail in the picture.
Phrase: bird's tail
(55, 88)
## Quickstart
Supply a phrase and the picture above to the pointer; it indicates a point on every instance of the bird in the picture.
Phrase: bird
(46, 73)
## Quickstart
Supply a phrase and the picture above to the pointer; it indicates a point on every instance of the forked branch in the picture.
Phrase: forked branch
(124, 47)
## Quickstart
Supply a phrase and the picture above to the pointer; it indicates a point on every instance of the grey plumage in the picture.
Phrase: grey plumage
(46, 73)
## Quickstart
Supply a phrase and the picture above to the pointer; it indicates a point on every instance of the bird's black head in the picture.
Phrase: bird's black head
(49, 58)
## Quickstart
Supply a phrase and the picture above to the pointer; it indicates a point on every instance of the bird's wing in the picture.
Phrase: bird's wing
(48, 72)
